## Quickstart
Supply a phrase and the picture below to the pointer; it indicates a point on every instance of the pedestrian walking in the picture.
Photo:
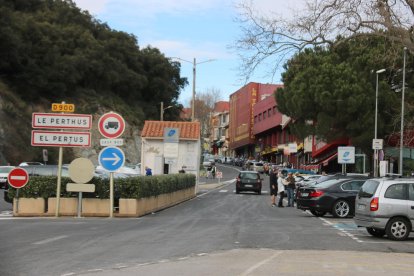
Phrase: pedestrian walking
(273, 185)
(213, 171)
(290, 187)
(280, 189)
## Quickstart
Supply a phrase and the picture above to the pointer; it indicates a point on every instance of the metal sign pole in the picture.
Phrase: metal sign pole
(59, 180)
(111, 194)
(80, 205)
(17, 201)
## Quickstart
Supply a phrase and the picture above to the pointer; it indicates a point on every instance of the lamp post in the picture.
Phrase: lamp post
(162, 109)
(376, 124)
(194, 81)
(402, 117)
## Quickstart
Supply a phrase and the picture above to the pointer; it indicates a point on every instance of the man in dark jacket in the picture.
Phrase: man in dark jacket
(273, 185)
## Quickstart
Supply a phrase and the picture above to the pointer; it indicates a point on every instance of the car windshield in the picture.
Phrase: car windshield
(368, 189)
(248, 175)
(5, 169)
(327, 183)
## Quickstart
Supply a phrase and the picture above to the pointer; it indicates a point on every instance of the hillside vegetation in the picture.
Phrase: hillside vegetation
(51, 51)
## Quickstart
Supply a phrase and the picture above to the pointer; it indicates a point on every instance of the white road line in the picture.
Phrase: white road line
(223, 191)
(254, 267)
(49, 240)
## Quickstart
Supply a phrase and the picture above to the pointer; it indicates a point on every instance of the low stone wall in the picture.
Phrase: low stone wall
(94, 207)
(139, 207)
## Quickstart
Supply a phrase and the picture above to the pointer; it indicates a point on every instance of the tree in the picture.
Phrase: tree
(203, 107)
(274, 38)
(334, 88)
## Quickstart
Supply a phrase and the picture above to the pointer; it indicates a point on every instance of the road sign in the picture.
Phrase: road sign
(377, 144)
(18, 178)
(61, 139)
(111, 158)
(84, 188)
(346, 155)
(111, 142)
(81, 170)
(57, 107)
(219, 174)
(61, 121)
(111, 125)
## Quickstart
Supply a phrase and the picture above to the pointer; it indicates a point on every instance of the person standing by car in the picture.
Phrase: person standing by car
(273, 185)
(280, 189)
(290, 187)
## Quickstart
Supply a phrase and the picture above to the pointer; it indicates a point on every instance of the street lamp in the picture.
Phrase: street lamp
(402, 117)
(162, 109)
(194, 81)
(376, 123)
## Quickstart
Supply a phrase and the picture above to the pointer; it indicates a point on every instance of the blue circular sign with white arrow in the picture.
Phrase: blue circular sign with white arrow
(111, 158)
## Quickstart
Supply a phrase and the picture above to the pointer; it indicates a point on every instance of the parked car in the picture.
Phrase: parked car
(386, 207)
(249, 181)
(4, 173)
(30, 164)
(335, 196)
(258, 167)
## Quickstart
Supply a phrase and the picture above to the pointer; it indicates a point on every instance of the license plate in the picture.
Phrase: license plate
(248, 185)
(304, 194)
(361, 206)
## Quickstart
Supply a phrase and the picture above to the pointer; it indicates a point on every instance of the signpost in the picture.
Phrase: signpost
(111, 159)
(219, 176)
(81, 171)
(18, 178)
(61, 138)
(346, 155)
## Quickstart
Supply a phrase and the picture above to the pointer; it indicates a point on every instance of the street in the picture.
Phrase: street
(216, 233)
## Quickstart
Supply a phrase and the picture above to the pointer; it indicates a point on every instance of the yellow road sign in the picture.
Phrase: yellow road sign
(57, 107)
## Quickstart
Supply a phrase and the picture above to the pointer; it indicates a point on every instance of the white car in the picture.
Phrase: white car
(4, 173)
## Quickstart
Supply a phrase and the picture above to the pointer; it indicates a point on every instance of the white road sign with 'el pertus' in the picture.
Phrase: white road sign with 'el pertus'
(61, 139)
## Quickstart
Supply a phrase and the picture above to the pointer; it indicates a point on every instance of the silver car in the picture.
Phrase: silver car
(385, 206)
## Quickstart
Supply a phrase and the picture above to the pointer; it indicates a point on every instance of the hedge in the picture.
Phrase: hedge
(131, 187)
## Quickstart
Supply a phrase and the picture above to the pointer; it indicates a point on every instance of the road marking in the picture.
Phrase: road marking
(49, 240)
(223, 191)
(256, 266)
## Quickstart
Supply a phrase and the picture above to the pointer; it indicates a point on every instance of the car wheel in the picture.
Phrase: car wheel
(341, 209)
(379, 233)
(317, 213)
(398, 229)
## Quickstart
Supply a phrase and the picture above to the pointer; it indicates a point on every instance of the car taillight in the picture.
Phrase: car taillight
(374, 205)
(316, 193)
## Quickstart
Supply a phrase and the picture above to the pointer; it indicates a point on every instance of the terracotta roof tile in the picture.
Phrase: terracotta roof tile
(155, 129)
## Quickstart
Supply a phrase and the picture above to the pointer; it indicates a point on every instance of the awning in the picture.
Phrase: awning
(326, 161)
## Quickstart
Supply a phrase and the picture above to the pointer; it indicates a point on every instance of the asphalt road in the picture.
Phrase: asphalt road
(217, 233)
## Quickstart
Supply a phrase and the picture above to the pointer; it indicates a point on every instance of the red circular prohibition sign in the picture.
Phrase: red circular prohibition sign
(18, 178)
(111, 125)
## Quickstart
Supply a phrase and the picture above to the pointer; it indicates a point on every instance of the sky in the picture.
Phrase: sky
(188, 29)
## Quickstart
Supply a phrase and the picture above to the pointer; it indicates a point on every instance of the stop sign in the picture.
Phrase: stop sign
(18, 178)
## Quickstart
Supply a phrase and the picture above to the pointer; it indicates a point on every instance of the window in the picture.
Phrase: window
(411, 192)
(255, 119)
(274, 110)
(397, 191)
(260, 117)
(269, 112)
(264, 115)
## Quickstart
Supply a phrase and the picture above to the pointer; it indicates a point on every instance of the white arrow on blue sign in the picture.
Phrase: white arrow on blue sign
(111, 158)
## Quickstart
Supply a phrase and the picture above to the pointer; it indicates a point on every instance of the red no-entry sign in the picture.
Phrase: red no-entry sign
(18, 178)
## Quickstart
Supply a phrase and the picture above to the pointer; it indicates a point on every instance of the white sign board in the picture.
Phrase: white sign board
(76, 187)
(111, 142)
(346, 155)
(293, 148)
(61, 121)
(377, 144)
(170, 150)
(61, 139)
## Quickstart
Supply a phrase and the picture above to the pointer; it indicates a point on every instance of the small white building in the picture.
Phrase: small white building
(169, 146)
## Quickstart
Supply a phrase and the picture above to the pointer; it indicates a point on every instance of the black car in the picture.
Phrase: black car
(335, 196)
(249, 181)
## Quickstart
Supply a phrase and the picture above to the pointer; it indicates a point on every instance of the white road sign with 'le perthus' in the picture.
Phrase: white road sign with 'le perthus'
(111, 158)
